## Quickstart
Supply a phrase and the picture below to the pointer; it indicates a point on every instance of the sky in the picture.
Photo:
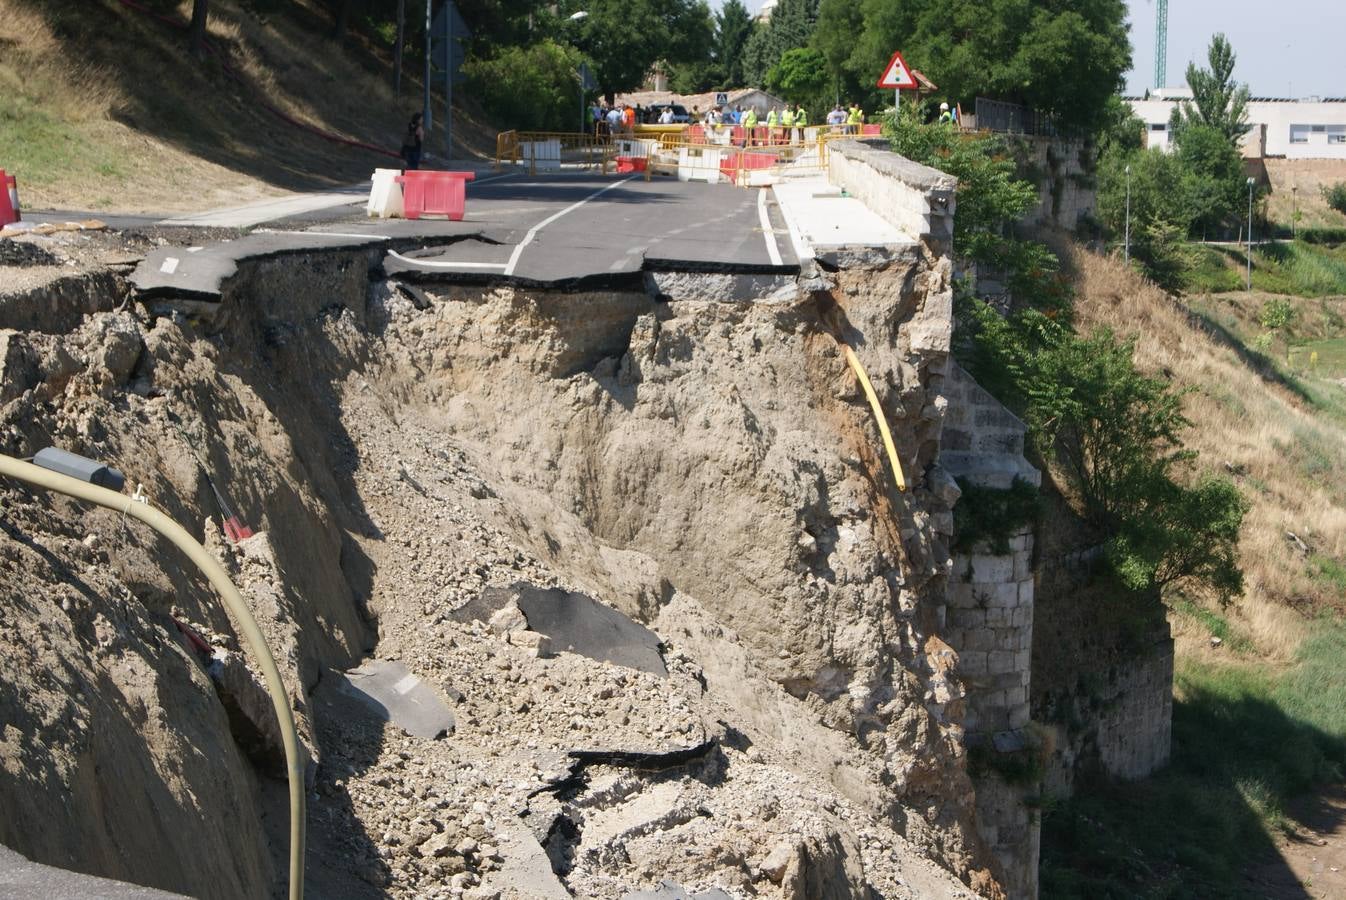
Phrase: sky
(1285, 48)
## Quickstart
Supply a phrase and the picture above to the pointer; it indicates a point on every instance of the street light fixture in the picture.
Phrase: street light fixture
(1250, 234)
(1126, 247)
(579, 16)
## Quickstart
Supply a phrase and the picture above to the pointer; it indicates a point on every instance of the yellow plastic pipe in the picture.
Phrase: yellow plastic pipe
(859, 371)
(233, 601)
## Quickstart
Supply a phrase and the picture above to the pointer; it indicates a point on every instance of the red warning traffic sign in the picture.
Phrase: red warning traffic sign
(897, 76)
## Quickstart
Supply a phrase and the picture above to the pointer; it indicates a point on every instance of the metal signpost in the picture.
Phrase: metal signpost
(897, 75)
(447, 30)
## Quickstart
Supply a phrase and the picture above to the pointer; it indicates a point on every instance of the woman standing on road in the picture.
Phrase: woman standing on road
(411, 144)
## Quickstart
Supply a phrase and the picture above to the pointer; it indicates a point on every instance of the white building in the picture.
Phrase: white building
(1312, 128)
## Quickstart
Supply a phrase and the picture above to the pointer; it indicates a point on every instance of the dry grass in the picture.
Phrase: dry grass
(1309, 176)
(103, 108)
(1288, 458)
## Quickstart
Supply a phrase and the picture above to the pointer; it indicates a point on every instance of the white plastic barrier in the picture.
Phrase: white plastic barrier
(542, 156)
(699, 164)
(639, 149)
(385, 194)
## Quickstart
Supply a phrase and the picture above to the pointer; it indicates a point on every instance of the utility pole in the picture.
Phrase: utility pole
(1250, 234)
(429, 45)
(401, 42)
(448, 82)
(1126, 251)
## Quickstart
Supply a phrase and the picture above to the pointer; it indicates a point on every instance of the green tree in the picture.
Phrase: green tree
(991, 198)
(1115, 435)
(1217, 101)
(790, 27)
(801, 76)
(533, 88)
(625, 38)
(1213, 175)
(733, 27)
(834, 35)
(1063, 57)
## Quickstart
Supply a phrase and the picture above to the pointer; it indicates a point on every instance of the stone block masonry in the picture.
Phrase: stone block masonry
(916, 199)
(989, 621)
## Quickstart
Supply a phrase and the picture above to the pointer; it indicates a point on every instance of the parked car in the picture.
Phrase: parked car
(655, 110)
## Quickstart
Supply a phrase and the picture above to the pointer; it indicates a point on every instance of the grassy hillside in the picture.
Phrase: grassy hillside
(103, 107)
(1259, 717)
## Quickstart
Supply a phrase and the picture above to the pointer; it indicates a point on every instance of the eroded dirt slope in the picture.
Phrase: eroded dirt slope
(706, 468)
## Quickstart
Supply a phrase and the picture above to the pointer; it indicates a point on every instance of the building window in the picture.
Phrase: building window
(1299, 134)
(1159, 126)
(1319, 129)
(1337, 137)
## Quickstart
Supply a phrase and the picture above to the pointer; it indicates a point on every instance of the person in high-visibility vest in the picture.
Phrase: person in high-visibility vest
(772, 120)
(801, 122)
(854, 119)
(787, 119)
(749, 123)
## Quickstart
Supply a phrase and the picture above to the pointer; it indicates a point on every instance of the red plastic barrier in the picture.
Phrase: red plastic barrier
(696, 133)
(431, 193)
(869, 130)
(631, 164)
(8, 213)
(731, 165)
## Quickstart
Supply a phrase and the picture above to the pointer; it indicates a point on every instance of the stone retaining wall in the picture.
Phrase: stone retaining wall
(915, 199)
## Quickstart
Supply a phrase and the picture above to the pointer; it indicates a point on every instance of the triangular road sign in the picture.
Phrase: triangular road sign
(897, 75)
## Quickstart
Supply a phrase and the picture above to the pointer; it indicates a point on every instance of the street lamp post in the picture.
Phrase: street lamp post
(577, 17)
(1250, 234)
(1294, 212)
(1126, 247)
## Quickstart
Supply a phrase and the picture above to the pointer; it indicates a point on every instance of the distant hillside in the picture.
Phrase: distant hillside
(1282, 440)
(102, 106)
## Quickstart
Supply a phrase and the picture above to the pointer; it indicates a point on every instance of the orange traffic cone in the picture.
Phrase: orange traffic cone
(8, 202)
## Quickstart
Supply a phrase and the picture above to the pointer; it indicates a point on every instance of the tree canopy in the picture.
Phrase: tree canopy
(1217, 101)
(625, 38)
(1062, 57)
(790, 28)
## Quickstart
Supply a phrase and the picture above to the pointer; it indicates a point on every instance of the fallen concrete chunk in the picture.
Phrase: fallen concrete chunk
(525, 869)
(582, 625)
(573, 622)
(390, 691)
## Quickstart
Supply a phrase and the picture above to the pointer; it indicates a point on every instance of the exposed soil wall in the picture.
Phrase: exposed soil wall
(709, 468)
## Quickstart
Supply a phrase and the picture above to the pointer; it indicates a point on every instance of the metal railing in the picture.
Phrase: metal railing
(549, 150)
(722, 154)
(1011, 118)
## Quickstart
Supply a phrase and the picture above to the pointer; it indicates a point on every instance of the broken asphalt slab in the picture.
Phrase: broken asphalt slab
(23, 879)
(556, 231)
(389, 691)
(575, 623)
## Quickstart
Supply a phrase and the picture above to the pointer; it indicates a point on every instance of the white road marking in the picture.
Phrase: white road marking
(406, 684)
(333, 234)
(169, 265)
(771, 249)
(492, 178)
(532, 232)
(437, 264)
